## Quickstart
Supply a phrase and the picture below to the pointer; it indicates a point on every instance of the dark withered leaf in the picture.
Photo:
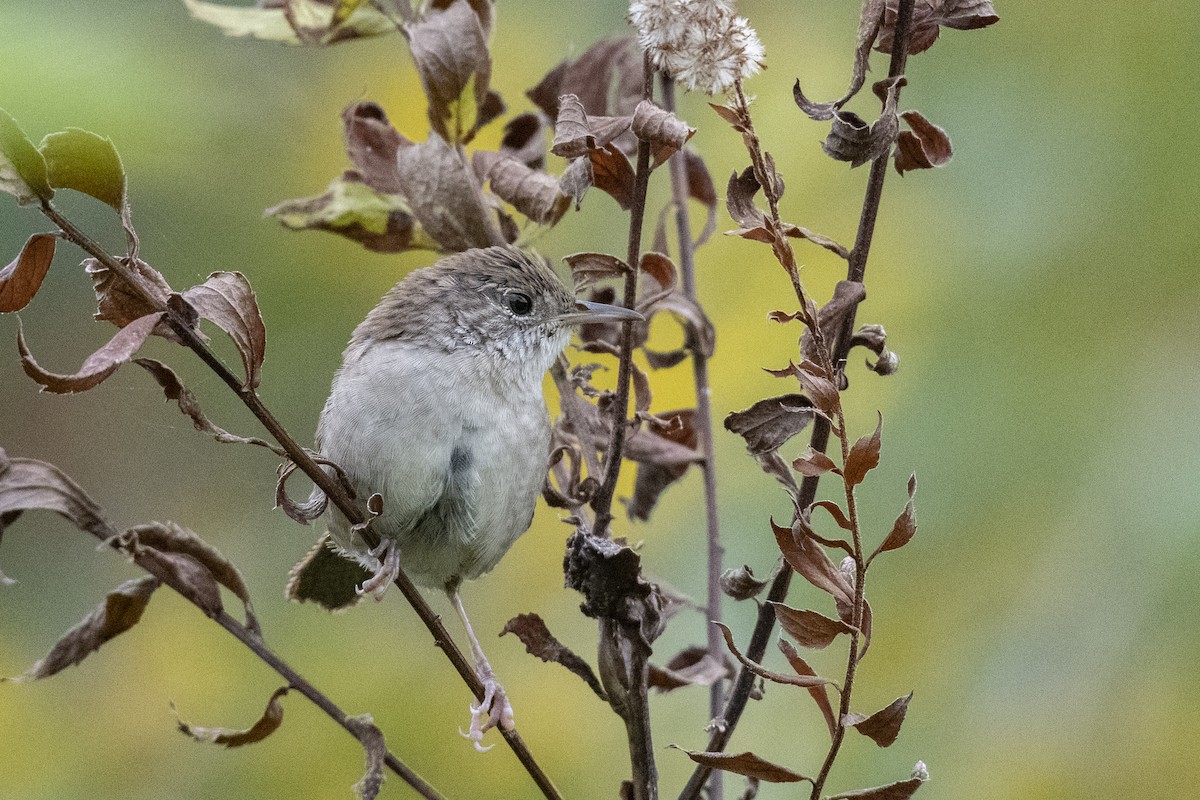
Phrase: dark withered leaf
(868, 27)
(649, 447)
(268, 723)
(372, 144)
(367, 732)
(852, 139)
(746, 764)
(184, 574)
(586, 268)
(769, 424)
(116, 300)
(808, 559)
(814, 463)
(817, 385)
(819, 694)
(379, 222)
(20, 280)
(613, 174)
(450, 50)
(444, 196)
(807, 627)
(864, 456)
(702, 189)
(27, 485)
(905, 526)
(167, 537)
(98, 366)
(883, 726)
(836, 512)
(226, 300)
(803, 681)
(523, 140)
(576, 179)
(929, 18)
(607, 79)
(730, 115)
(799, 232)
(609, 576)
(846, 297)
(874, 338)
(573, 135)
(665, 132)
(740, 583)
(119, 612)
(693, 666)
(532, 192)
(660, 269)
(900, 790)
(739, 199)
(538, 641)
(326, 578)
(652, 479)
(925, 146)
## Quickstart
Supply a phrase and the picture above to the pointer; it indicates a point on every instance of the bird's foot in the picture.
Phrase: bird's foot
(388, 554)
(493, 711)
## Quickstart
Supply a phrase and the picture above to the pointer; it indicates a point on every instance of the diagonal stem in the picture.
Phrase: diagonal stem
(333, 490)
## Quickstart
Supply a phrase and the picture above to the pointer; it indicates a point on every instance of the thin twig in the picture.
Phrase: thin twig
(332, 488)
(703, 425)
(856, 271)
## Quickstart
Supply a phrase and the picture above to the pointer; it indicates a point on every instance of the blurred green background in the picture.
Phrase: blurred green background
(1037, 290)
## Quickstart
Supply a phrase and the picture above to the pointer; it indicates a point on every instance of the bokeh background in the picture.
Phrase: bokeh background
(1040, 290)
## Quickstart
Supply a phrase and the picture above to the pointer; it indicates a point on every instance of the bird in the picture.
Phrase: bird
(438, 408)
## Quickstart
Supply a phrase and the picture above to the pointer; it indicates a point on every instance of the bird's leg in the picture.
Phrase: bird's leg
(493, 710)
(388, 553)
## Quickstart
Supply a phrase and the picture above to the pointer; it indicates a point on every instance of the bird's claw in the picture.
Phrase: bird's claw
(388, 555)
(493, 711)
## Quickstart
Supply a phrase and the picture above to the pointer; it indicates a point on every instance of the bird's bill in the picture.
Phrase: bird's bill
(587, 311)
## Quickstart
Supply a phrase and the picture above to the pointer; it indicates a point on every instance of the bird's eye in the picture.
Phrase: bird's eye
(519, 303)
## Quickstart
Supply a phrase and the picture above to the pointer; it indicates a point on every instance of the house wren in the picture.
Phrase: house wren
(438, 408)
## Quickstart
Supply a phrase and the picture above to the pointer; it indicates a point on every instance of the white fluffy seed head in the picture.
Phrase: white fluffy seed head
(701, 44)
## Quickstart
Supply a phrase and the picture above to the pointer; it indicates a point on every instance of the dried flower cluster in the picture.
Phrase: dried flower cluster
(702, 44)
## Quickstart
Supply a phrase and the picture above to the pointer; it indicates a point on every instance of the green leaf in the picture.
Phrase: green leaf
(22, 168)
(380, 222)
(86, 162)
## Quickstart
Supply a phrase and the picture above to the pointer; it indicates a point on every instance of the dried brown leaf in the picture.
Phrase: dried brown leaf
(183, 573)
(591, 78)
(587, 268)
(27, 485)
(532, 192)
(661, 269)
(226, 300)
(119, 612)
(20, 280)
(798, 232)
(924, 147)
(814, 463)
(769, 424)
(538, 641)
(523, 140)
(739, 199)
(864, 456)
(372, 144)
(98, 366)
(928, 18)
(740, 583)
(905, 526)
(845, 300)
(665, 132)
(693, 666)
(613, 174)
(883, 726)
(803, 681)
(807, 627)
(450, 51)
(167, 537)
(364, 728)
(747, 764)
(820, 389)
(702, 189)
(653, 478)
(118, 303)
(268, 723)
(576, 179)
(444, 196)
(836, 512)
(807, 558)
(819, 694)
(900, 790)
(868, 26)
(852, 139)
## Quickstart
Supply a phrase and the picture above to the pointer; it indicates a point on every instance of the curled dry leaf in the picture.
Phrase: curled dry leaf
(380, 222)
(701, 189)
(804, 556)
(769, 424)
(538, 641)
(268, 723)
(809, 628)
(119, 612)
(173, 389)
(226, 300)
(864, 456)
(27, 485)
(693, 666)
(576, 133)
(20, 280)
(739, 199)
(326, 578)
(925, 146)
(900, 790)
(852, 139)
(22, 167)
(740, 583)
(372, 144)
(167, 537)
(118, 302)
(608, 63)
(874, 338)
(532, 192)
(868, 27)
(86, 162)
(803, 681)
(665, 132)
(586, 268)
(819, 694)
(798, 232)
(444, 196)
(612, 174)
(660, 269)
(523, 140)
(883, 726)
(368, 733)
(747, 764)
(929, 18)
(814, 463)
(841, 306)
(98, 366)
(653, 477)
(183, 573)
(905, 526)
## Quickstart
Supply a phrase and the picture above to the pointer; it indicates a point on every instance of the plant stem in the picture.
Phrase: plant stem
(856, 271)
(602, 502)
(704, 427)
(333, 490)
